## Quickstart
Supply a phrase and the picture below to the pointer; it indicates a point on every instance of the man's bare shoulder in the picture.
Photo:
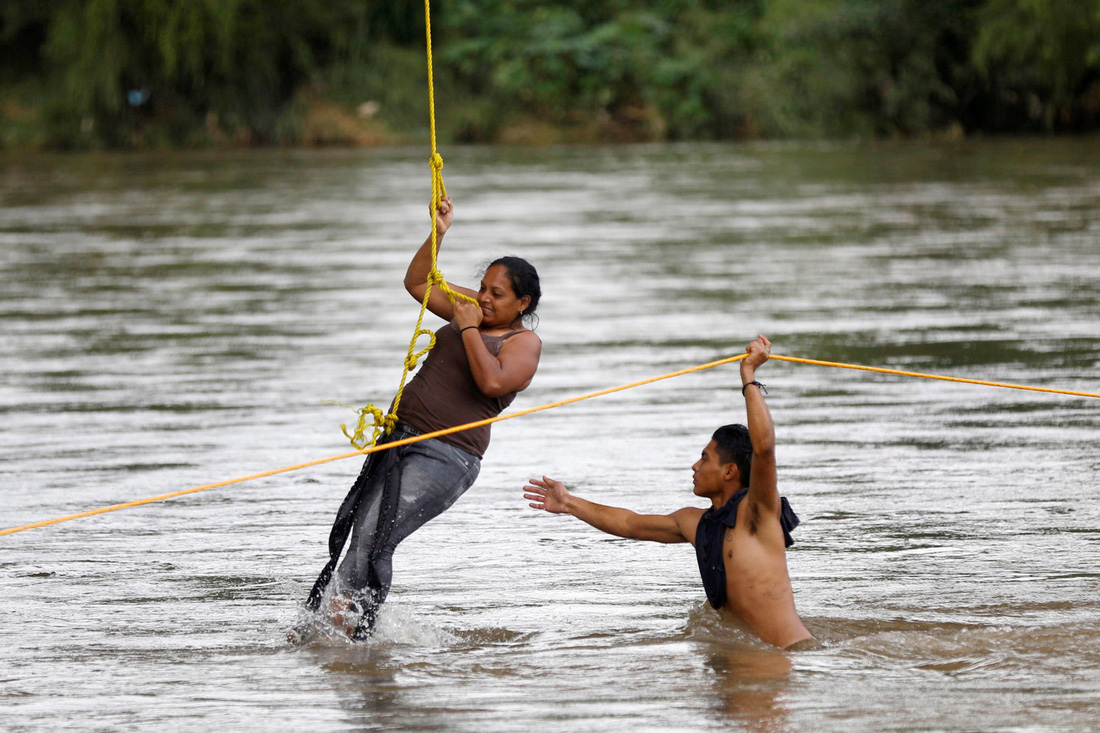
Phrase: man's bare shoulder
(687, 519)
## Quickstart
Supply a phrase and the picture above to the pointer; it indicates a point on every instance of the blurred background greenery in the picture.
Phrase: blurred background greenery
(95, 74)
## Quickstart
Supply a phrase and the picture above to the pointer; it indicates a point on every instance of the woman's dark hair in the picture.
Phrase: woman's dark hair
(525, 280)
(735, 446)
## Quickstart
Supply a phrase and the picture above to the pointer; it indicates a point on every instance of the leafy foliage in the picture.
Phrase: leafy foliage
(1044, 59)
(119, 73)
(119, 69)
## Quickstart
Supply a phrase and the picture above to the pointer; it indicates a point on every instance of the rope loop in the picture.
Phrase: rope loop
(412, 359)
(431, 340)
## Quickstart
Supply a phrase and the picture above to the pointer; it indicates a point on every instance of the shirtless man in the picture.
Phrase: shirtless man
(741, 541)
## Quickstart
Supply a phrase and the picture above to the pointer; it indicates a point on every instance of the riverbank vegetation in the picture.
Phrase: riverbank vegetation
(88, 74)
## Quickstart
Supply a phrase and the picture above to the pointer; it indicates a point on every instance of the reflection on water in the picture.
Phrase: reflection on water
(169, 321)
(749, 686)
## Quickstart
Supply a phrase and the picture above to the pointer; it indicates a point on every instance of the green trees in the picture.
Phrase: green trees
(639, 70)
(115, 72)
(125, 73)
(869, 67)
(1043, 60)
(779, 68)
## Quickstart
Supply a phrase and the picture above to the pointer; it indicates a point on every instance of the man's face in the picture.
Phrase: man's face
(709, 473)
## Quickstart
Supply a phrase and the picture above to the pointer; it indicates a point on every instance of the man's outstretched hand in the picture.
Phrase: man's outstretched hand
(547, 494)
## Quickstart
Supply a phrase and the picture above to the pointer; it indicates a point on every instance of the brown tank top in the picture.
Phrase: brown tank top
(444, 394)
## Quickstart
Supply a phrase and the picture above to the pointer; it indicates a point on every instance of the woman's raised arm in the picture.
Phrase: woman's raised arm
(416, 277)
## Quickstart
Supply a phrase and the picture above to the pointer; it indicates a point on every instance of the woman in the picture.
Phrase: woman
(481, 359)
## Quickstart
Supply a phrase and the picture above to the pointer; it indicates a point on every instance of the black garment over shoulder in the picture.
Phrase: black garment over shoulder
(709, 536)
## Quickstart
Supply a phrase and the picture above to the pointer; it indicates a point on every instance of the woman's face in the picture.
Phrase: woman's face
(499, 305)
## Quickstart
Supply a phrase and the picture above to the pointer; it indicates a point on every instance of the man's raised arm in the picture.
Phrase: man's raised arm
(763, 487)
(552, 496)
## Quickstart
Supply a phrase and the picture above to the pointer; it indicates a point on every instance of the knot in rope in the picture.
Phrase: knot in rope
(370, 418)
(436, 279)
(438, 189)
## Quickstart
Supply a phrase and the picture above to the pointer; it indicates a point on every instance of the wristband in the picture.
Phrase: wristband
(467, 327)
(749, 384)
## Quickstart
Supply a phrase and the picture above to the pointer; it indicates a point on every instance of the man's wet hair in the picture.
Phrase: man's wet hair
(735, 446)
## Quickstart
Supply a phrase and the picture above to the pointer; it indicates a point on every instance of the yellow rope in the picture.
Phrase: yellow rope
(371, 417)
(498, 418)
(816, 362)
(375, 448)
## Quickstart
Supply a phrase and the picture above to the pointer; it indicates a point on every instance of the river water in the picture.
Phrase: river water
(168, 321)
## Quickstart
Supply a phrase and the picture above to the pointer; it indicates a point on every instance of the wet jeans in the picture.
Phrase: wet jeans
(397, 492)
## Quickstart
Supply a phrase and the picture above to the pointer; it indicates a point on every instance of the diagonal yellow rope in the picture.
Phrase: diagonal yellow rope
(372, 417)
(374, 448)
(540, 408)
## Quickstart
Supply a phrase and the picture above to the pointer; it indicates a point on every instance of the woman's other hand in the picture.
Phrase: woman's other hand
(467, 313)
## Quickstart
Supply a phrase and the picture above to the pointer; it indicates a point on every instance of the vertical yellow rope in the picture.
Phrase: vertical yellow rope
(372, 417)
